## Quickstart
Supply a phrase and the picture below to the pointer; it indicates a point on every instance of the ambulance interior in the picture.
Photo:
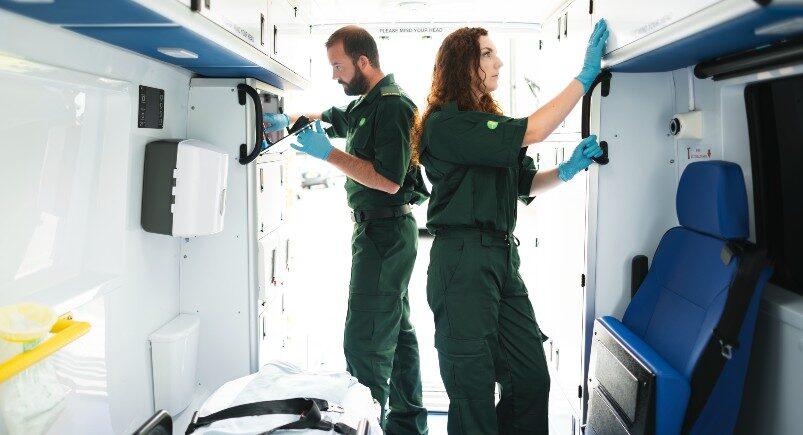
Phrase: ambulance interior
(161, 314)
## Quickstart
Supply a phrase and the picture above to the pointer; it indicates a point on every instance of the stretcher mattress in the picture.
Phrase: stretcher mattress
(281, 380)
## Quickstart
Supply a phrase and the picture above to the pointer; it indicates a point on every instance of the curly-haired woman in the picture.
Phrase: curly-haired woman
(475, 158)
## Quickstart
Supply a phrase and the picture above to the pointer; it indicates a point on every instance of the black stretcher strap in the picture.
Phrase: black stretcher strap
(311, 419)
(308, 409)
(725, 337)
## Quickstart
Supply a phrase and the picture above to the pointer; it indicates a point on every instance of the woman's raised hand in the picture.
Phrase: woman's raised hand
(594, 52)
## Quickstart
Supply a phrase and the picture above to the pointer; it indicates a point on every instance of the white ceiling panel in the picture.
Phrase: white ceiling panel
(439, 11)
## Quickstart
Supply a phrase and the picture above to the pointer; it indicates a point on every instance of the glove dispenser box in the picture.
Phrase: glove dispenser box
(183, 188)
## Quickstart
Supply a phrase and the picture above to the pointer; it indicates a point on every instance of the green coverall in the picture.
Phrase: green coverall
(380, 345)
(485, 328)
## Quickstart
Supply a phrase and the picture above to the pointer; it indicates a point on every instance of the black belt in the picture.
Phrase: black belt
(476, 233)
(380, 213)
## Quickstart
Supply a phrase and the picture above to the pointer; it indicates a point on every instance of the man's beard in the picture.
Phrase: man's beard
(358, 84)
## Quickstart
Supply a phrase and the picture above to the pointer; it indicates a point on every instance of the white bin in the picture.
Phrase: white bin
(174, 356)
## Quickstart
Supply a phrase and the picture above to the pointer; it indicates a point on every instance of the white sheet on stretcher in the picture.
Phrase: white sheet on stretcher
(280, 380)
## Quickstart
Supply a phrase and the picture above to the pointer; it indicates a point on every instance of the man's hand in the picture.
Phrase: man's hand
(314, 141)
(275, 121)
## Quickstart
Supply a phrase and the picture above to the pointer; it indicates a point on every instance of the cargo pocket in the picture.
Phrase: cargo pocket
(372, 322)
(366, 262)
(446, 257)
(466, 367)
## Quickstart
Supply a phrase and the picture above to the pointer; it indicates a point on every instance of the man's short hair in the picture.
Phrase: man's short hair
(356, 42)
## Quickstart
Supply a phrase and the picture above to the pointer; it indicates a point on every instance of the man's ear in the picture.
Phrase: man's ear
(363, 63)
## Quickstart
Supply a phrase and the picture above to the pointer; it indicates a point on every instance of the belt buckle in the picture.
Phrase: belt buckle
(333, 407)
(357, 216)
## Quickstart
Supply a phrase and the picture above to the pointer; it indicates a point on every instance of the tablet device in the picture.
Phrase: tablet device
(281, 144)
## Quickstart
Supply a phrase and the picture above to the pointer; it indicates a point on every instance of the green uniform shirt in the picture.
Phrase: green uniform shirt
(477, 168)
(377, 128)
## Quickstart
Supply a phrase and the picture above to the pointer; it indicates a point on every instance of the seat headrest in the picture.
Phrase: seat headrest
(712, 199)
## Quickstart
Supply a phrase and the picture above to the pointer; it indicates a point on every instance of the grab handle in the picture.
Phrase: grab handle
(246, 158)
(585, 127)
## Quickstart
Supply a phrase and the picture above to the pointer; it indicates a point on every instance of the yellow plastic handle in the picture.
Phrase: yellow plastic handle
(66, 331)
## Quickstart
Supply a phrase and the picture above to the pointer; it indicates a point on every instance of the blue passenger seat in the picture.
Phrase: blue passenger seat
(669, 366)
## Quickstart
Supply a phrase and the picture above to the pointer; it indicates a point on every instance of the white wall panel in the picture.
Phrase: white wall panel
(636, 190)
(71, 187)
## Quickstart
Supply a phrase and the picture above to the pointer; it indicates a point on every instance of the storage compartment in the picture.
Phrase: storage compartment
(268, 258)
(290, 34)
(631, 20)
(183, 188)
(246, 19)
(622, 388)
(271, 195)
(665, 36)
(563, 41)
(174, 356)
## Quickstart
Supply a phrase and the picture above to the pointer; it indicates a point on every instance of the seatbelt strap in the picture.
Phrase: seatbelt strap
(725, 337)
(308, 409)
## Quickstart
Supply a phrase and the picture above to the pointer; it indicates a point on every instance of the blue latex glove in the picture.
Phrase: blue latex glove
(314, 142)
(275, 121)
(594, 52)
(580, 159)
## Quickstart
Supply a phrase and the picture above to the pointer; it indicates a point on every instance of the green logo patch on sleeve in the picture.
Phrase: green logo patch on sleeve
(492, 125)
(362, 121)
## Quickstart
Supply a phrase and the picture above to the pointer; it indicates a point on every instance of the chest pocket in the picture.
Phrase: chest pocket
(360, 138)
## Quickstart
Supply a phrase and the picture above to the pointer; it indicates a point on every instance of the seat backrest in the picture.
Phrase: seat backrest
(681, 299)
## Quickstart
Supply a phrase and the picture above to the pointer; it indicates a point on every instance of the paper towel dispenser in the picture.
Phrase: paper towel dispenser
(184, 188)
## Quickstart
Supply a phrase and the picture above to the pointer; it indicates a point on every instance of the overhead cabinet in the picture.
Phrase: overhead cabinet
(246, 19)
(212, 38)
(631, 20)
(664, 36)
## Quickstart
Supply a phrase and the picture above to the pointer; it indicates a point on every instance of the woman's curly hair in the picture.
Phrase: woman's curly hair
(455, 77)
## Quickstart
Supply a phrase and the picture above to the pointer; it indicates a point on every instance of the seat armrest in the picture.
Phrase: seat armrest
(671, 388)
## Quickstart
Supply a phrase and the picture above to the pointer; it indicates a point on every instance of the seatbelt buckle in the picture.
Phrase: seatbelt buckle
(726, 350)
(726, 346)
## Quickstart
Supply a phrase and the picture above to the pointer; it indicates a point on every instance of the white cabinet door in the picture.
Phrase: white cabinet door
(631, 20)
(271, 196)
(268, 267)
(578, 26)
(246, 19)
(555, 270)
(289, 28)
(272, 333)
(539, 245)
(570, 291)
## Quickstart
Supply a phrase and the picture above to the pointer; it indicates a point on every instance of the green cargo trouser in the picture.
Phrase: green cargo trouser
(379, 341)
(485, 332)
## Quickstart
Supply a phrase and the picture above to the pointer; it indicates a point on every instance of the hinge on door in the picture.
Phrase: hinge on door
(582, 280)
(590, 7)
(579, 391)
(540, 44)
